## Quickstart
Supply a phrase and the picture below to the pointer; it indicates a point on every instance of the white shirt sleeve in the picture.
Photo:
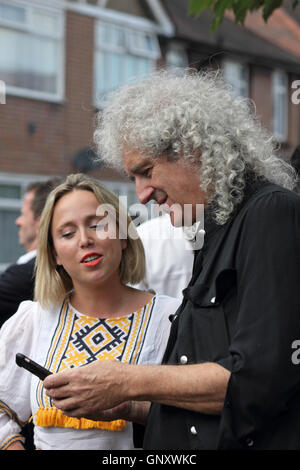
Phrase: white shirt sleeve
(169, 257)
(159, 329)
(16, 335)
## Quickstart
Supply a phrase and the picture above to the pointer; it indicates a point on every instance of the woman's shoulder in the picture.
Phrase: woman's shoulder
(29, 311)
(25, 308)
(23, 320)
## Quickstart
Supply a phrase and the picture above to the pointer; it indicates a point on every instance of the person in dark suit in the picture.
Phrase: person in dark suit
(17, 282)
(16, 285)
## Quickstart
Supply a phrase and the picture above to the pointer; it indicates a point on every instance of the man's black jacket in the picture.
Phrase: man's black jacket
(242, 311)
(16, 285)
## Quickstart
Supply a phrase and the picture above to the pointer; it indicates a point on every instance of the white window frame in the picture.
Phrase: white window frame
(280, 111)
(161, 25)
(177, 48)
(29, 7)
(99, 3)
(130, 47)
(232, 76)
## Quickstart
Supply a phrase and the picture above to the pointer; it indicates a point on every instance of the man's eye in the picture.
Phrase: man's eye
(146, 173)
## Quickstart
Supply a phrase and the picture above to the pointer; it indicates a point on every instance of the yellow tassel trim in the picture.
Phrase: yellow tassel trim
(47, 417)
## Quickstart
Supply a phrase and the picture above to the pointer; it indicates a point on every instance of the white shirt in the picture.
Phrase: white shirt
(169, 257)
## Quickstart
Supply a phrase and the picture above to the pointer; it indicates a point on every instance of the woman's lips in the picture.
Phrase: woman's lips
(91, 259)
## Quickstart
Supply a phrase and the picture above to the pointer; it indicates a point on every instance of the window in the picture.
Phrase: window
(121, 55)
(100, 3)
(176, 56)
(31, 50)
(280, 105)
(236, 75)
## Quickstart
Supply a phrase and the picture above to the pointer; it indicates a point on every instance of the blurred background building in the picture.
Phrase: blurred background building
(58, 59)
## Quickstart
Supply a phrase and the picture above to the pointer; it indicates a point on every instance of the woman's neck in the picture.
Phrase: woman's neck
(108, 300)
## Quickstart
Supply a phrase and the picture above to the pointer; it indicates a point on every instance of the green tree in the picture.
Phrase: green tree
(240, 8)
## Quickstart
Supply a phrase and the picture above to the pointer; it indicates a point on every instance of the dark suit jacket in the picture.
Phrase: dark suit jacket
(16, 285)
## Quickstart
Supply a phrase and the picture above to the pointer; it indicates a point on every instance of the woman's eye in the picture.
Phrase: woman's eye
(67, 235)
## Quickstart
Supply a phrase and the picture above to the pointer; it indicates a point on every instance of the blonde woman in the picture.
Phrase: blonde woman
(84, 311)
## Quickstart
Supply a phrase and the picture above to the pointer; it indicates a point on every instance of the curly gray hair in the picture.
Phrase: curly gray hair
(182, 116)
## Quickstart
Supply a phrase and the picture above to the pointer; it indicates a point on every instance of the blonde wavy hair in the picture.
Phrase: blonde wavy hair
(189, 114)
(52, 282)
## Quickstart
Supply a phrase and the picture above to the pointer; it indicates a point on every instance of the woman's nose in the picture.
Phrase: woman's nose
(85, 238)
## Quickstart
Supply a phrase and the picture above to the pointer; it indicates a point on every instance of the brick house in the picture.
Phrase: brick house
(57, 58)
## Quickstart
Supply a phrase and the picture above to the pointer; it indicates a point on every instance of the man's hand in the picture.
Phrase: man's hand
(95, 391)
(100, 390)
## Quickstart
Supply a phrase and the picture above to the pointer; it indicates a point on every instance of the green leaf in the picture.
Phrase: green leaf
(270, 6)
(240, 10)
(198, 6)
(218, 12)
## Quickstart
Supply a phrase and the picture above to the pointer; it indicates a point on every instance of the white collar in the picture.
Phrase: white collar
(27, 257)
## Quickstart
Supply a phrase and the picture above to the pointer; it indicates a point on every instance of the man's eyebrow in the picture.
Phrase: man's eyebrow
(138, 168)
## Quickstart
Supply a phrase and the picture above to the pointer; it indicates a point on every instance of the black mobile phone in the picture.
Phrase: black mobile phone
(31, 366)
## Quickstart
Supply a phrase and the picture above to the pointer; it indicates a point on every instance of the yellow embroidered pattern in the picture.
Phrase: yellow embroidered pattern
(79, 340)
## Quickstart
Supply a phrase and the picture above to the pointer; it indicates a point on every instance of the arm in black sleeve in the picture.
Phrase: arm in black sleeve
(263, 378)
(16, 285)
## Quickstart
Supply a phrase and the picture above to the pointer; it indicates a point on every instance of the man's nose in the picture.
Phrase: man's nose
(144, 192)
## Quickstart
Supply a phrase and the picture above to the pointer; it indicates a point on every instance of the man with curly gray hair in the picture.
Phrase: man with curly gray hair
(228, 378)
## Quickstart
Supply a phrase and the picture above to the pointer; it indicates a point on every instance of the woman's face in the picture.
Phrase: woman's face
(81, 246)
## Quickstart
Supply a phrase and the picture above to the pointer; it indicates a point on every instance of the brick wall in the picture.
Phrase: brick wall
(79, 109)
(261, 93)
(39, 137)
(61, 129)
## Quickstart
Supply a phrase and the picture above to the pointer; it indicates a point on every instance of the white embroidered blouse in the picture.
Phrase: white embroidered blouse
(65, 338)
